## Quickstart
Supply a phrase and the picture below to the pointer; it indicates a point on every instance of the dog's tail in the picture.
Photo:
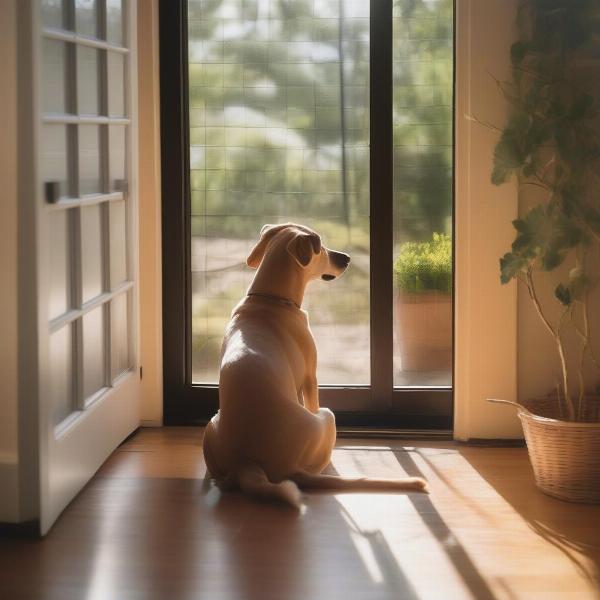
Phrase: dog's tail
(253, 481)
(333, 482)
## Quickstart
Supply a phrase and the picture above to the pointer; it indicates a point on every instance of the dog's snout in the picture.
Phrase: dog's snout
(340, 259)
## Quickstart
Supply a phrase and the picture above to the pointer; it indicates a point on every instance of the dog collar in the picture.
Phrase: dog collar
(278, 299)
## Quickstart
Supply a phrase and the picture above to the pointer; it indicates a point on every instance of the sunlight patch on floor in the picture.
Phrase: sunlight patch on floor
(464, 527)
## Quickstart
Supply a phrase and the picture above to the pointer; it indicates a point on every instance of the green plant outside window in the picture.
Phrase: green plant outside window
(425, 266)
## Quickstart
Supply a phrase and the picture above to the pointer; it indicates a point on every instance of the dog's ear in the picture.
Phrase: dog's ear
(266, 235)
(303, 247)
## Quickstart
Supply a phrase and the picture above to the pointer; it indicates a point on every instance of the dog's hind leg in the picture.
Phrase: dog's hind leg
(322, 440)
(253, 481)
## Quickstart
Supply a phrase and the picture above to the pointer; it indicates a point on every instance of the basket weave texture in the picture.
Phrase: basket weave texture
(565, 455)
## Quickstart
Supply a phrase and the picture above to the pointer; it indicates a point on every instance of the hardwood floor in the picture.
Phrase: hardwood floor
(150, 526)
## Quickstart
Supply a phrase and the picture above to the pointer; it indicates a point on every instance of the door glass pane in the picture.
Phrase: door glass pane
(53, 13)
(91, 251)
(116, 134)
(118, 243)
(116, 84)
(93, 351)
(114, 22)
(279, 130)
(89, 160)
(54, 157)
(423, 88)
(60, 265)
(54, 74)
(119, 308)
(86, 19)
(87, 81)
(60, 355)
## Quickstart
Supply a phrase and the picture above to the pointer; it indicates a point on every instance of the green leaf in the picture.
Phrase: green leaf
(545, 235)
(563, 294)
(581, 106)
(579, 283)
(518, 51)
(528, 169)
(551, 258)
(511, 265)
(500, 175)
(508, 154)
(520, 225)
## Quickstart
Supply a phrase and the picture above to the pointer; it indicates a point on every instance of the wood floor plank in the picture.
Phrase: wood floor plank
(149, 525)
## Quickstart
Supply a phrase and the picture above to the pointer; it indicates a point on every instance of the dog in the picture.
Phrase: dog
(270, 435)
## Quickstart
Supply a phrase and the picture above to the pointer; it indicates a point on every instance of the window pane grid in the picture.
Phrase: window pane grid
(91, 170)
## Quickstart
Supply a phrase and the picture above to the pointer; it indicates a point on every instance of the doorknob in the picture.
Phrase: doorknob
(52, 191)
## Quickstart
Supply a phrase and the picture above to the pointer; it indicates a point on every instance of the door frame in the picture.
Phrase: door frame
(379, 405)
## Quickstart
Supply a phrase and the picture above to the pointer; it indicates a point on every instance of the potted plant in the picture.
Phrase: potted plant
(551, 144)
(423, 278)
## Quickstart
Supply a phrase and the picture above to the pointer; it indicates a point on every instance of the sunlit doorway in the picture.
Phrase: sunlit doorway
(286, 115)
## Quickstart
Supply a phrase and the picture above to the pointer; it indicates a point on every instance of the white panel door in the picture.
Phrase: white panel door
(86, 163)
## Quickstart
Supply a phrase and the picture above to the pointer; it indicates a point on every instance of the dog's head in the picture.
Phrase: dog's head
(303, 246)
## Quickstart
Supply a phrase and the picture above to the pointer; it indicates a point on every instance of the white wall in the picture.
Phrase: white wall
(8, 265)
(486, 312)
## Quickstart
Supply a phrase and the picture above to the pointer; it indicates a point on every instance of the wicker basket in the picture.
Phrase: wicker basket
(565, 455)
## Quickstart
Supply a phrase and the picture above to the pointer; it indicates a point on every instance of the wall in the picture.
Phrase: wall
(486, 312)
(150, 214)
(8, 265)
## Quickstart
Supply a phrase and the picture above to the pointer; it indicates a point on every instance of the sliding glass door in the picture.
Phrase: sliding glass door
(336, 114)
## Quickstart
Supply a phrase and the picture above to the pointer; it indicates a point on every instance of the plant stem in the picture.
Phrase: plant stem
(584, 344)
(556, 335)
(561, 352)
(536, 184)
(483, 123)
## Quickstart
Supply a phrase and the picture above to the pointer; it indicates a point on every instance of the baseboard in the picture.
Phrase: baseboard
(403, 434)
(494, 443)
(28, 529)
(9, 484)
(151, 423)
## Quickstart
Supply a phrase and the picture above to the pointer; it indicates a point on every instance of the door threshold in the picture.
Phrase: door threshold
(405, 434)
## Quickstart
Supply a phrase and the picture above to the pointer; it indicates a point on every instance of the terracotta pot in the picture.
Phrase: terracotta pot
(424, 331)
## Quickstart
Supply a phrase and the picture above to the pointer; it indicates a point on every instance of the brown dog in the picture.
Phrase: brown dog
(270, 435)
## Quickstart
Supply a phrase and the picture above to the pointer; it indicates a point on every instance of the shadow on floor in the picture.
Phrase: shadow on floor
(547, 516)
(459, 558)
(277, 553)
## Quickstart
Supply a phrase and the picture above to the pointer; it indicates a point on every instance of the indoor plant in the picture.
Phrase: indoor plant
(551, 144)
(423, 278)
